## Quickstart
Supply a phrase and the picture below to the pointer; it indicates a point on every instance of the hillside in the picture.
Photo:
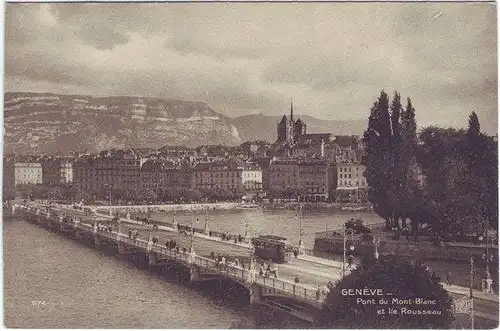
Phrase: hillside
(50, 123)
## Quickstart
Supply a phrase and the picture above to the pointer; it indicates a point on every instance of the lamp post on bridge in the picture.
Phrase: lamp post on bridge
(344, 233)
(191, 237)
(109, 187)
(487, 281)
(247, 222)
(207, 230)
(376, 244)
(298, 215)
(251, 265)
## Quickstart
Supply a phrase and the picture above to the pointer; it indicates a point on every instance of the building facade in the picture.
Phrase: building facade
(28, 173)
(217, 177)
(56, 171)
(351, 182)
(67, 171)
(251, 178)
(283, 178)
(316, 180)
(113, 170)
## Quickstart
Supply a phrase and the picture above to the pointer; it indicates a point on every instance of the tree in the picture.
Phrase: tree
(408, 166)
(442, 163)
(404, 281)
(481, 157)
(397, 192)
(378, 158)
(461, 171)
(390, 143)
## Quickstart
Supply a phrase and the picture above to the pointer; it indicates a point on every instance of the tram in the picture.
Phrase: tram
(273, 248)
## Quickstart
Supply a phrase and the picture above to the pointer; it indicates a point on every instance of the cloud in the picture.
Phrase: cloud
(332, 58)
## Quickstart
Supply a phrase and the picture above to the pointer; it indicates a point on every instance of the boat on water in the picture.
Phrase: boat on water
(353, 208)
(248, 206)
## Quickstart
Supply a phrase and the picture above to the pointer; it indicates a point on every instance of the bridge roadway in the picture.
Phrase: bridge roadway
(302, 299)
(309, 273)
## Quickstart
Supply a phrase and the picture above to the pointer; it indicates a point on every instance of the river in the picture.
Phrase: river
(275, 222)
(54, 282)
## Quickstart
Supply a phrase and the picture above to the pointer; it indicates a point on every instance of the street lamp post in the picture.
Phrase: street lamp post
(207, 231)
(251, 265)
(345, 232)
(487, 259)
(471, 296)
(110, 213)
(301, 231)
(326, 228)
(376, 244)
(191, 249)
(247, 223)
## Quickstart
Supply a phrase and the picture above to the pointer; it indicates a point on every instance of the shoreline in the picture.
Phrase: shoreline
(236, 205)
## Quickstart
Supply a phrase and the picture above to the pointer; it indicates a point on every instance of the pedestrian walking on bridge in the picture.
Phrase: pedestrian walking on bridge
(349, 261)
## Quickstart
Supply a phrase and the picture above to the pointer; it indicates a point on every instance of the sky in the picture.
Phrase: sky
(333, 59)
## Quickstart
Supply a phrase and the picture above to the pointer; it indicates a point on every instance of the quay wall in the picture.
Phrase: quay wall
(424, 249)
(171, 207)
(234, 205)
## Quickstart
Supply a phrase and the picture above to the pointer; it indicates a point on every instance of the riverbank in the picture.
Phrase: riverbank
(318, 206)
(168, 207)
(306, 206)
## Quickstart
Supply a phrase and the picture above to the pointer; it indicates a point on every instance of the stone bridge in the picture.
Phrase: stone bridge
(299, 300)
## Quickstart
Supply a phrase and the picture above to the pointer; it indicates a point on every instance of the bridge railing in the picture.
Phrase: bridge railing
(169, 252)
(299, 291)
(234, 271)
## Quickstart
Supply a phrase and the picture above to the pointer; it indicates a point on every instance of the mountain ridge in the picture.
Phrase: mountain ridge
(51, 123)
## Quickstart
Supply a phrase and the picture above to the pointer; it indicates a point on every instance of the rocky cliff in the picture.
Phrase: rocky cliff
(50, 123)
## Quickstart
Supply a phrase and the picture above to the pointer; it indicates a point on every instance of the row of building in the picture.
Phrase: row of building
(307, 166)
(311, 179)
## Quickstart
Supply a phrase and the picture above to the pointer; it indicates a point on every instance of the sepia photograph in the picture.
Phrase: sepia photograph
(250, 165)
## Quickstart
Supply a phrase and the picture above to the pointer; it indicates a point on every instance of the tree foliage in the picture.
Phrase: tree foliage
(461, 191)
(461, 194)
(482, 164)
(390, 141)
(403, 280)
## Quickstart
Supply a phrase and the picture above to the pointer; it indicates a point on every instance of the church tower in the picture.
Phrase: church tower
(291, 126)
(290, 130)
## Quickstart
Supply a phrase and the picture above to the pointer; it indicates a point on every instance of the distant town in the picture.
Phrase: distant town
(298, 166)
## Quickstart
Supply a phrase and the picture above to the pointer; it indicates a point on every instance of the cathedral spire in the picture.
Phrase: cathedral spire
(291, 110)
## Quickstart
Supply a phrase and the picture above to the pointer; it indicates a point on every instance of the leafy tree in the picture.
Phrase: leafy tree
(409, 167)
(461, 171)
(396, 192)
(390, 143)
(482, 161)
(378, 158)
(391, 274)
(442, 163)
